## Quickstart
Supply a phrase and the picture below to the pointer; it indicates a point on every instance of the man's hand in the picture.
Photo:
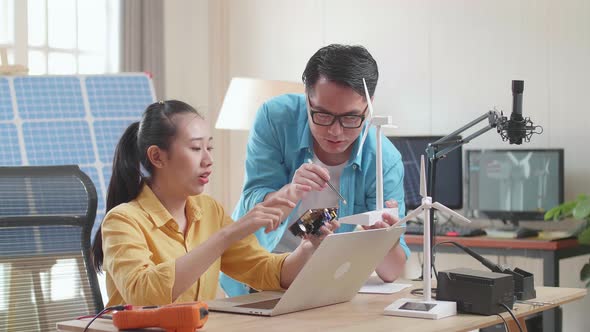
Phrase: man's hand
(393, 264)
(308, 177)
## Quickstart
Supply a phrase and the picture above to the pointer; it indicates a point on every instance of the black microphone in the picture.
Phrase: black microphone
(517, 128)
(516, 125)
(517, 89)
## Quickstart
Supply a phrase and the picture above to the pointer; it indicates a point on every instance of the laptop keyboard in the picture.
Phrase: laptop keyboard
(268, 304)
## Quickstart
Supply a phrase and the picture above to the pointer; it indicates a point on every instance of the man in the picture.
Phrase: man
(323, 126)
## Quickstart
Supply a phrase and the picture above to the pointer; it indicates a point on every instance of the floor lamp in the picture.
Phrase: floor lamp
(243, 98)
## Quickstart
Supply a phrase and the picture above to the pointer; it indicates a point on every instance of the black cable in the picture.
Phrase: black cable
(420, 291)
(505, 324)
(435, 273)
(493, 267)
(107, 309)
(447, 242)
(513, 316)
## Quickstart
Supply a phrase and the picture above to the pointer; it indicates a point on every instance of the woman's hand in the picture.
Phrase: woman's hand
(297, 259)
(267, 214)
(312, 242)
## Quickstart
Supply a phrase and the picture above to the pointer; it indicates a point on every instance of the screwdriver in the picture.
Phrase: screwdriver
(332, 187)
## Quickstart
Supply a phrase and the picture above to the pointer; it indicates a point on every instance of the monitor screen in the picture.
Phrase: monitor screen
(449, 175)
(513, 185)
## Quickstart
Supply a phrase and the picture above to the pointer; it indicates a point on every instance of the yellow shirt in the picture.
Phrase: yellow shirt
(141, 243)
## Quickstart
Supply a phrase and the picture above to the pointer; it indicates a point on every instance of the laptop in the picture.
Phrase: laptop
(334, 274)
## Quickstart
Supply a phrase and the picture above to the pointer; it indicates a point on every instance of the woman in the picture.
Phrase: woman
(162, 240)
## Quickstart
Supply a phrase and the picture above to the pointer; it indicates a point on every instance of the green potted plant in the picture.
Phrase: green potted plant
(578, 209)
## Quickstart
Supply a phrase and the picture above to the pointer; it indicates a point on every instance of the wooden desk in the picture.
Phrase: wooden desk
(550, 251)
(363, 313)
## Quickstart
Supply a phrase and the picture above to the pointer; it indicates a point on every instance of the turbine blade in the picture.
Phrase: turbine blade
(367, 128)
(445, 209)
(369, 120)
(368, 97)
(422, 178)
(410, 216)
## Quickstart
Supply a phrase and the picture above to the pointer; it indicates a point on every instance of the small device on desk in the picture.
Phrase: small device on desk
(477, 292)
(186, 317)
(524, 284)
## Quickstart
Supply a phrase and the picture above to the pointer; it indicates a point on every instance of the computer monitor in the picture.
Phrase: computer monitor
(449, 175)
(513, 185)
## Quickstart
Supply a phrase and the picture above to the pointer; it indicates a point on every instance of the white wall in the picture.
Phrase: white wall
(190, 54)
(186, 53)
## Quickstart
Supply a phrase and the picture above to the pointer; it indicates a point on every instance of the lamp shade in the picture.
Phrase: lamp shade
(243, 98)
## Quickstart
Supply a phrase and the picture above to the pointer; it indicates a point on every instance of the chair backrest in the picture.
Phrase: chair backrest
(46, 276)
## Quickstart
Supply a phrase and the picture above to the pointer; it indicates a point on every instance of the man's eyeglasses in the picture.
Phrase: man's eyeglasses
(349, 121)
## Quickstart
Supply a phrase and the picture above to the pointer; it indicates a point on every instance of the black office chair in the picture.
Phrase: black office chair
(46, 217)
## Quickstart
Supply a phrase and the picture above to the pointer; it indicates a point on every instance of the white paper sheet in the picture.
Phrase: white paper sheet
(375, 285)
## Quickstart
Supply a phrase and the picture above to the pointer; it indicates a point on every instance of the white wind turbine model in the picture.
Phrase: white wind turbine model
(427, 307)
(371, 217)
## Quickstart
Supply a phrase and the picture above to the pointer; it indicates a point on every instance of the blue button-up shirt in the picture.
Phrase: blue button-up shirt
(281, 141)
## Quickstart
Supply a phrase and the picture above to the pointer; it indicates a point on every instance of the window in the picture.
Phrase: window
(7, 27)
(61, 36)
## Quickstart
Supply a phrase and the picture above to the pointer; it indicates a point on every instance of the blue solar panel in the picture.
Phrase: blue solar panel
(116, 97)
(58, 143)
(108, 133)
(49, 97)
(9, 148)
(6, 112)
(70, 120)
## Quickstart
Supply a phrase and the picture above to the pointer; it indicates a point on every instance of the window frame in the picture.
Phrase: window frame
(20, 48)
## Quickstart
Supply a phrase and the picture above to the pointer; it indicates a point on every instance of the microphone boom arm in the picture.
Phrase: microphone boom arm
(514, 130)
(451, 142)
(440, 148)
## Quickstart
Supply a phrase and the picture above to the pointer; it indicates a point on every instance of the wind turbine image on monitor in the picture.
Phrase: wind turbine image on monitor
(427, 307)
(371, 217)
